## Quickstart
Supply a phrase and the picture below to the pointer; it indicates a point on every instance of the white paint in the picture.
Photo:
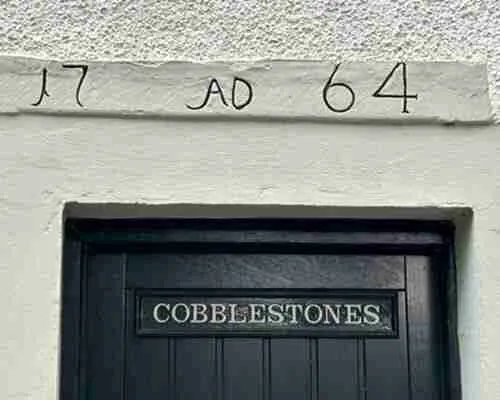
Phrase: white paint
(259, 313)
(446, 92)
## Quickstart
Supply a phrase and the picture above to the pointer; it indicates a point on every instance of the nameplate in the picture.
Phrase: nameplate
(354, 315)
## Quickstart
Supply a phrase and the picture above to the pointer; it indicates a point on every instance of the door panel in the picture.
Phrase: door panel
(338, 373)
(195, 369)
(423, 318)
(290, 369)
(243, 368)
(260, 271)
(105, 327)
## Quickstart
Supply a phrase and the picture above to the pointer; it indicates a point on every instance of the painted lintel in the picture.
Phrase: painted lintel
(437, 92)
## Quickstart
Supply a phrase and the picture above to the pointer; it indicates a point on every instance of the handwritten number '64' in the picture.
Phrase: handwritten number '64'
(378, 93)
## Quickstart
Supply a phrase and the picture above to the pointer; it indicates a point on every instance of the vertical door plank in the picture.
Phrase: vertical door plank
(338, 369)
(290, 369)
(386, 363)
(71, 298)
(195, 369)
(243, 369)
(105, 350)
(147, 374)
(422, 330)
(148, 362)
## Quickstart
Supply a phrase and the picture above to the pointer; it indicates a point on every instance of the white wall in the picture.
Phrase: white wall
(46, 161)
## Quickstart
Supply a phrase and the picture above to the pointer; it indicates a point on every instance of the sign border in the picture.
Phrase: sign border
(391, 295)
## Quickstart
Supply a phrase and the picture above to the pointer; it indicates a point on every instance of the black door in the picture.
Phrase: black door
(129, 331)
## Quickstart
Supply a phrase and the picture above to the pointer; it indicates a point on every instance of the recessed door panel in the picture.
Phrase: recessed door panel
(243, 368)
(261, 271)
(339, 368)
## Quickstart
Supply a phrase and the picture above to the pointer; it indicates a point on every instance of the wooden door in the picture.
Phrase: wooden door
(123, 355)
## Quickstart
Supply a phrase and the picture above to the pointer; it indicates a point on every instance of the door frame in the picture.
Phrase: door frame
(434, 239)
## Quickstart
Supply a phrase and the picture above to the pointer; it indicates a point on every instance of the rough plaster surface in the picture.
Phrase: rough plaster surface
(382, 30)
(47, 161)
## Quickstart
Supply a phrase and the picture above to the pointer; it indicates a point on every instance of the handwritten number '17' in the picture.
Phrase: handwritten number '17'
(44, 91)
(378, 93)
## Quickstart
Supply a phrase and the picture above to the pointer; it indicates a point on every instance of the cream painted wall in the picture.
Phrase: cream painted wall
(46, 161)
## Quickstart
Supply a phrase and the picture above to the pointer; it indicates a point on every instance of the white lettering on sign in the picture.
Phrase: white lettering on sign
(282, 314)
(372, 314)
(259, 313)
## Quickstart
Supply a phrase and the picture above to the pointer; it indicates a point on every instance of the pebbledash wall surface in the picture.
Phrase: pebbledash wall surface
(110, 133)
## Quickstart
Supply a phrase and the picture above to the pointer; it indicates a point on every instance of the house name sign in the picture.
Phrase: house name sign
(235, 315)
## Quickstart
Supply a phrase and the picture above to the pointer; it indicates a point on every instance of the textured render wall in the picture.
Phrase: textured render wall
(383, 30)
(47, 161)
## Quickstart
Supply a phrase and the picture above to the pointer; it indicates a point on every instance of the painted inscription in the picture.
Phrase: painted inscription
(241, 93)
(331, 85)
(329, 316)
(44, 92)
